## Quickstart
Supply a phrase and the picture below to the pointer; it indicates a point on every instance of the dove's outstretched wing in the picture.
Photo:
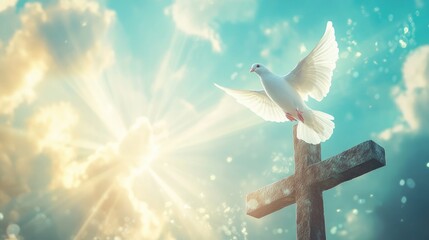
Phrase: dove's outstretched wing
(313, 74)
(259, 103)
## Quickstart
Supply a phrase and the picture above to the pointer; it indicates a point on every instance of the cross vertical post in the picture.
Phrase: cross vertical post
(309, 199)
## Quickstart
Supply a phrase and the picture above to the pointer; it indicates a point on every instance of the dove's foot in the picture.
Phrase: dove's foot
(290, 117)
(300, 117)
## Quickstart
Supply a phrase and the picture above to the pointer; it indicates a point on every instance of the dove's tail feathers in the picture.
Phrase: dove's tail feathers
(316, 128)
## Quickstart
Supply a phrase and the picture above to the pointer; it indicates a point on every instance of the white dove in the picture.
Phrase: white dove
(283, 96)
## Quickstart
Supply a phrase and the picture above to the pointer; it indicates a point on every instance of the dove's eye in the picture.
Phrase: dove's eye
(257, 65)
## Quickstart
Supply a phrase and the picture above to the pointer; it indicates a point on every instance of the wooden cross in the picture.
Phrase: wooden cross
(313, 176)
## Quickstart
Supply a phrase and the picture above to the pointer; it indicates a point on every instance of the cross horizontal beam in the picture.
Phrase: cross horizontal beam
(350, 164)
(345, 166)
(271, 198)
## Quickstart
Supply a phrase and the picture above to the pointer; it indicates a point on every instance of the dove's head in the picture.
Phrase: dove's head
(258, 68)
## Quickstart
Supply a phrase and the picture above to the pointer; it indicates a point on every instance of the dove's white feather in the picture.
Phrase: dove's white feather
(312, 76)
(318, 127)
(259, 103)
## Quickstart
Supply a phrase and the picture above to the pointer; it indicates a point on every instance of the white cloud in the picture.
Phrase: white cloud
(388, 133)
(53, 127)
(48, 134)
(67, 38)
(75, 36)
(51, 124)
(201, 18)
(5, 4)
(17, 149)
(413, 100)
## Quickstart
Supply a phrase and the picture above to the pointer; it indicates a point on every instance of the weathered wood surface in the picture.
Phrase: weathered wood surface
(310, 220)
(313, 176)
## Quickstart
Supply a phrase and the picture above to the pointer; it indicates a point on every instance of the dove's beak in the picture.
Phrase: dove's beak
(252, 69)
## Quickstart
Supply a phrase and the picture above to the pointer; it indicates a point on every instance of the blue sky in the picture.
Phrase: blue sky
(111, 128)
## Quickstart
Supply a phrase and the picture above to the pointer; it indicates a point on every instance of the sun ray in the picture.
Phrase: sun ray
(216, 123)
(93, 212)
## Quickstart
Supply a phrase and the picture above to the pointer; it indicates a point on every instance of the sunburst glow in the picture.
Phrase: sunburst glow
(142, 171)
